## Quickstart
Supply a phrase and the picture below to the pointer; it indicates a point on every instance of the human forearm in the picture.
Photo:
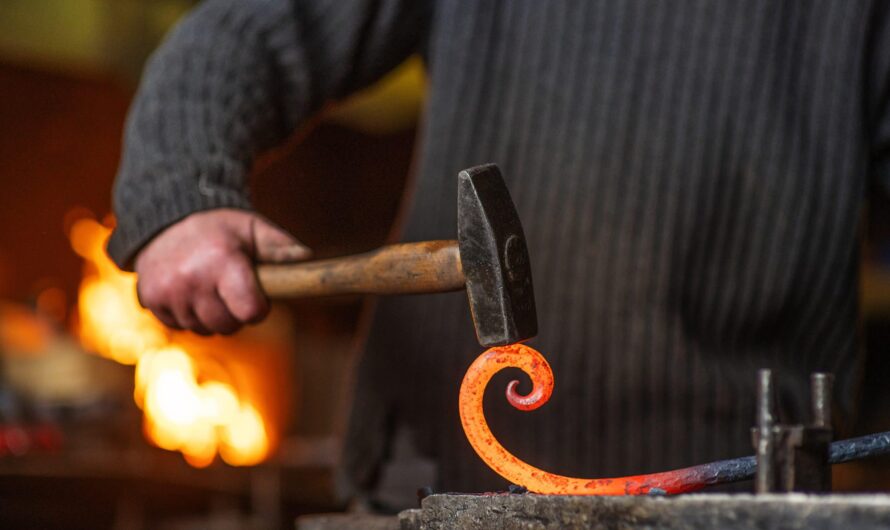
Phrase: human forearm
(210, 99)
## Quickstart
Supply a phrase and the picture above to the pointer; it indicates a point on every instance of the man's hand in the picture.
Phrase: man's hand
(198, 274)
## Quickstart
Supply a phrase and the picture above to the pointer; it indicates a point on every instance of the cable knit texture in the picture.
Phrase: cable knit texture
(690, 175)
(235, 77)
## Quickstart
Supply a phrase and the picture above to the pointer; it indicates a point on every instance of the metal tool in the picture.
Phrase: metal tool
(793, 457)
(489, 259)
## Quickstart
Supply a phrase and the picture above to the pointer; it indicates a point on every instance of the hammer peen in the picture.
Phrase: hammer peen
(489, 259)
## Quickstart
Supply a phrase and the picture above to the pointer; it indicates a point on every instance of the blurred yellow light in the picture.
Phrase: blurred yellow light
(181, 414)
(220, 403)
(244, 440)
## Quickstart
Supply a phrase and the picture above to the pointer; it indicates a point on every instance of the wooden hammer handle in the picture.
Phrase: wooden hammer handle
(425, 267)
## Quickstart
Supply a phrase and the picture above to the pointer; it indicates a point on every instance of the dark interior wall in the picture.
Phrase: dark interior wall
(59, 146)
(337, 189)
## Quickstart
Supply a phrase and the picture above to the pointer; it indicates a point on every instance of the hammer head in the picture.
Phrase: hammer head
(494, 258)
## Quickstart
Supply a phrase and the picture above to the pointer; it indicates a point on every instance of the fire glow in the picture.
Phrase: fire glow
(537, 480)
(189, 405)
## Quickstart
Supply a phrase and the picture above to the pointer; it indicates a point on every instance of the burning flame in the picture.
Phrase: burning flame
(186, 408)
(534, 479)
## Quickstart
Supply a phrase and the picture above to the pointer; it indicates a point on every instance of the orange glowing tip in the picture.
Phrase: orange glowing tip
(537, 480)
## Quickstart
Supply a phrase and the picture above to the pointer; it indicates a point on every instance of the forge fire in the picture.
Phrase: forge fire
(190, 401)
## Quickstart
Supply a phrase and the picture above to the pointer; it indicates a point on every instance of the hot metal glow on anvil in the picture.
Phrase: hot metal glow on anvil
(537, 480)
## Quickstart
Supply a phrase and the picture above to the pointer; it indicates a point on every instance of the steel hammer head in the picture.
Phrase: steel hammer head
(494, 258)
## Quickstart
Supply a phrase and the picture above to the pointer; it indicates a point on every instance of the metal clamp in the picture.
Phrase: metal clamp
(793, 457)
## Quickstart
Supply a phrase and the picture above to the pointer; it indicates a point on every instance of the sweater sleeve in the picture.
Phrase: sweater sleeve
(236, 77)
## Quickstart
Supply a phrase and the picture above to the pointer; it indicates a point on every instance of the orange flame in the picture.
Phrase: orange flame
(519, 472)
(185, 408)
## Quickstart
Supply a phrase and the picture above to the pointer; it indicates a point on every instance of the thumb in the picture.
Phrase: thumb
(272, 244)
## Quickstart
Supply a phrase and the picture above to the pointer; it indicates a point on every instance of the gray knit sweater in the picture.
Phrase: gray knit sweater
(690, 175)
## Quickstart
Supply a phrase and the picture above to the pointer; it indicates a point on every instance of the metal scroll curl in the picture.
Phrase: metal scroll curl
(534, 479)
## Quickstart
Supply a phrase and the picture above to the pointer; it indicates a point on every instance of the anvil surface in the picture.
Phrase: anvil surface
(700, 511)
(687, 512)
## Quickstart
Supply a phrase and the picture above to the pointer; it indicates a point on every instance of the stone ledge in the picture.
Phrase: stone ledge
(684, 512)
(726, 511)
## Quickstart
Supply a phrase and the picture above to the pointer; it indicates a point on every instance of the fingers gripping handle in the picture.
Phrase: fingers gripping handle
(425, 267)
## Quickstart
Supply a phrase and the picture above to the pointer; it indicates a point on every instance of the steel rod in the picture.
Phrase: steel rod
(820, 398)
(744, 468)
(765, 477)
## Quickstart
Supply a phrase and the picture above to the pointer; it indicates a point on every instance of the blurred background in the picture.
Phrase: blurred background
(108, 420)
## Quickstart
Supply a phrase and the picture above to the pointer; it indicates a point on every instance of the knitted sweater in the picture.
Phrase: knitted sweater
(690, 175)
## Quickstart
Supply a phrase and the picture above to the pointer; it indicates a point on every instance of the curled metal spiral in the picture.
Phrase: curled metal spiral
(537, 480)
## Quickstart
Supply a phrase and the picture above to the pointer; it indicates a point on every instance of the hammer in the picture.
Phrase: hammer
(489, 259)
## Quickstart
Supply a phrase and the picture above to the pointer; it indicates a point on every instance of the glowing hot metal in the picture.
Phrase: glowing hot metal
(537, 480)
